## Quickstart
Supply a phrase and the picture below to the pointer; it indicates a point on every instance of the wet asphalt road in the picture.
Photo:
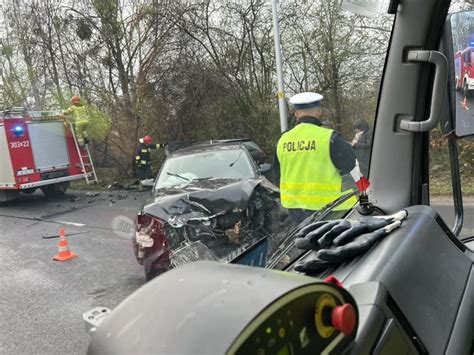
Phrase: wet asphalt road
(41, 300)
(445, 208)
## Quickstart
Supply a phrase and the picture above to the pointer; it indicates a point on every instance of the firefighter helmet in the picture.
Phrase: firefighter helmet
(147, 139)
(76, 99)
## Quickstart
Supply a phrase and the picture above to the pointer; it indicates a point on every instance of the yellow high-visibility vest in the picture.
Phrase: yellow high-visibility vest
(308, 178)
(79, 113)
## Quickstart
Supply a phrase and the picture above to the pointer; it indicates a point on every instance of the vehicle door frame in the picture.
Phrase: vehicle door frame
(399, 166)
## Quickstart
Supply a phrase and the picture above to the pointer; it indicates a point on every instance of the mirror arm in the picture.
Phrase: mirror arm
(451, 136)
(439, 89)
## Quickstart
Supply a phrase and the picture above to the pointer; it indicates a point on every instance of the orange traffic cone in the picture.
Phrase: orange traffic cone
(64, 252)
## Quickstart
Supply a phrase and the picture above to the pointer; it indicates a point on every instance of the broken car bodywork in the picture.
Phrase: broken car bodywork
(214, 219)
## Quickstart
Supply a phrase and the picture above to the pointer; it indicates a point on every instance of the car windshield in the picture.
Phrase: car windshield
(221, 164)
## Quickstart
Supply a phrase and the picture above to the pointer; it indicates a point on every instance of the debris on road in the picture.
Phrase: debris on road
(92, 194)
(115, 184)
(114, 197)
(74, 198)
(57, 235)
(132, 186)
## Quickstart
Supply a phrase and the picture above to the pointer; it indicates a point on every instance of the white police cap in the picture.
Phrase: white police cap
(306, 100)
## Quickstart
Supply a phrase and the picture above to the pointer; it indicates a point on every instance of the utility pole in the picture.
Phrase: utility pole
(281, 92)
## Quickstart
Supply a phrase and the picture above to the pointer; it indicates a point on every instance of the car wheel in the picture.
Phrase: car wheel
(157, 267)
(154, 272)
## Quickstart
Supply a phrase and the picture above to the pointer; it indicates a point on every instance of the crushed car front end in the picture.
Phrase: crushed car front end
(212, 217)
(216, 222)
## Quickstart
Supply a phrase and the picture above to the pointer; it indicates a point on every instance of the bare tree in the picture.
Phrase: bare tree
(188, 70)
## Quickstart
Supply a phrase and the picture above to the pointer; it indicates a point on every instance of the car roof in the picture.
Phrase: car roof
(251, 146)
(202, 147)
(230, 140)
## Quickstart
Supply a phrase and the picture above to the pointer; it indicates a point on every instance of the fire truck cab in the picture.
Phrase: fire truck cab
(39, 150)
(464, 70)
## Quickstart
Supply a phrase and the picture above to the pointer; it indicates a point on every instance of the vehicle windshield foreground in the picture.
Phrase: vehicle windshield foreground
(413, 288)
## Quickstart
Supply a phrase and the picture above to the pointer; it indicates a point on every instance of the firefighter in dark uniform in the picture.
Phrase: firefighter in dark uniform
(310, 161)
(143, 157)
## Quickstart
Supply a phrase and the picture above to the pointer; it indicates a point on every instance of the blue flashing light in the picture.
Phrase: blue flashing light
(18, 131)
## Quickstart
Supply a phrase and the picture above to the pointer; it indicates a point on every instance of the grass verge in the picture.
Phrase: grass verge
(440, 184)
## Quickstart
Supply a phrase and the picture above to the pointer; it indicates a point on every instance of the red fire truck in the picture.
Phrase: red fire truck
(39, 150)
(464, 70)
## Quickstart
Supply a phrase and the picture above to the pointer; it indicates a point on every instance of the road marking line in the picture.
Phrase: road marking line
(72, 224)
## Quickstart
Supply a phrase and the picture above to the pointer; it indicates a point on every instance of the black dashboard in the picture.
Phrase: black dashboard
(411, 293)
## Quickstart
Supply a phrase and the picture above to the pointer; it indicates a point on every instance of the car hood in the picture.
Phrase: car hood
(203, 200)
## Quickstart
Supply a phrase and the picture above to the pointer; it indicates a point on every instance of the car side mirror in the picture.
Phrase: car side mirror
(460, 45)
(263, 168)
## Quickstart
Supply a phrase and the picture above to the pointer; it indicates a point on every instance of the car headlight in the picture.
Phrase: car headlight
(143, 240)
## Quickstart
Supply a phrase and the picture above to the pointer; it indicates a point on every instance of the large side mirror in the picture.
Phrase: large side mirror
(461, 26)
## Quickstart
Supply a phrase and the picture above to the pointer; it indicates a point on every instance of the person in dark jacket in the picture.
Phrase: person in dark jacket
(143, 157)
(362, 143)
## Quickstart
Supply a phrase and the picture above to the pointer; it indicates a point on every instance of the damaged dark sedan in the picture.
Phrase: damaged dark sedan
(209, 201)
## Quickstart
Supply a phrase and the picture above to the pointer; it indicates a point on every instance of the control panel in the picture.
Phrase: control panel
(215, 308)
(311, 320)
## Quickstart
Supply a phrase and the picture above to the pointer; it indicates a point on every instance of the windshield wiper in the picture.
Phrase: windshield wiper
(203, 178)
(235, 161)
(179, 176)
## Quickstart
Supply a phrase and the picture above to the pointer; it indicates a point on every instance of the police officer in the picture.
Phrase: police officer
(310, 161)
(143, 157)
(80, 119)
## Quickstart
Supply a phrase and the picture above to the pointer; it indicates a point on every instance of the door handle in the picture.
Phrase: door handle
(439, 90)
